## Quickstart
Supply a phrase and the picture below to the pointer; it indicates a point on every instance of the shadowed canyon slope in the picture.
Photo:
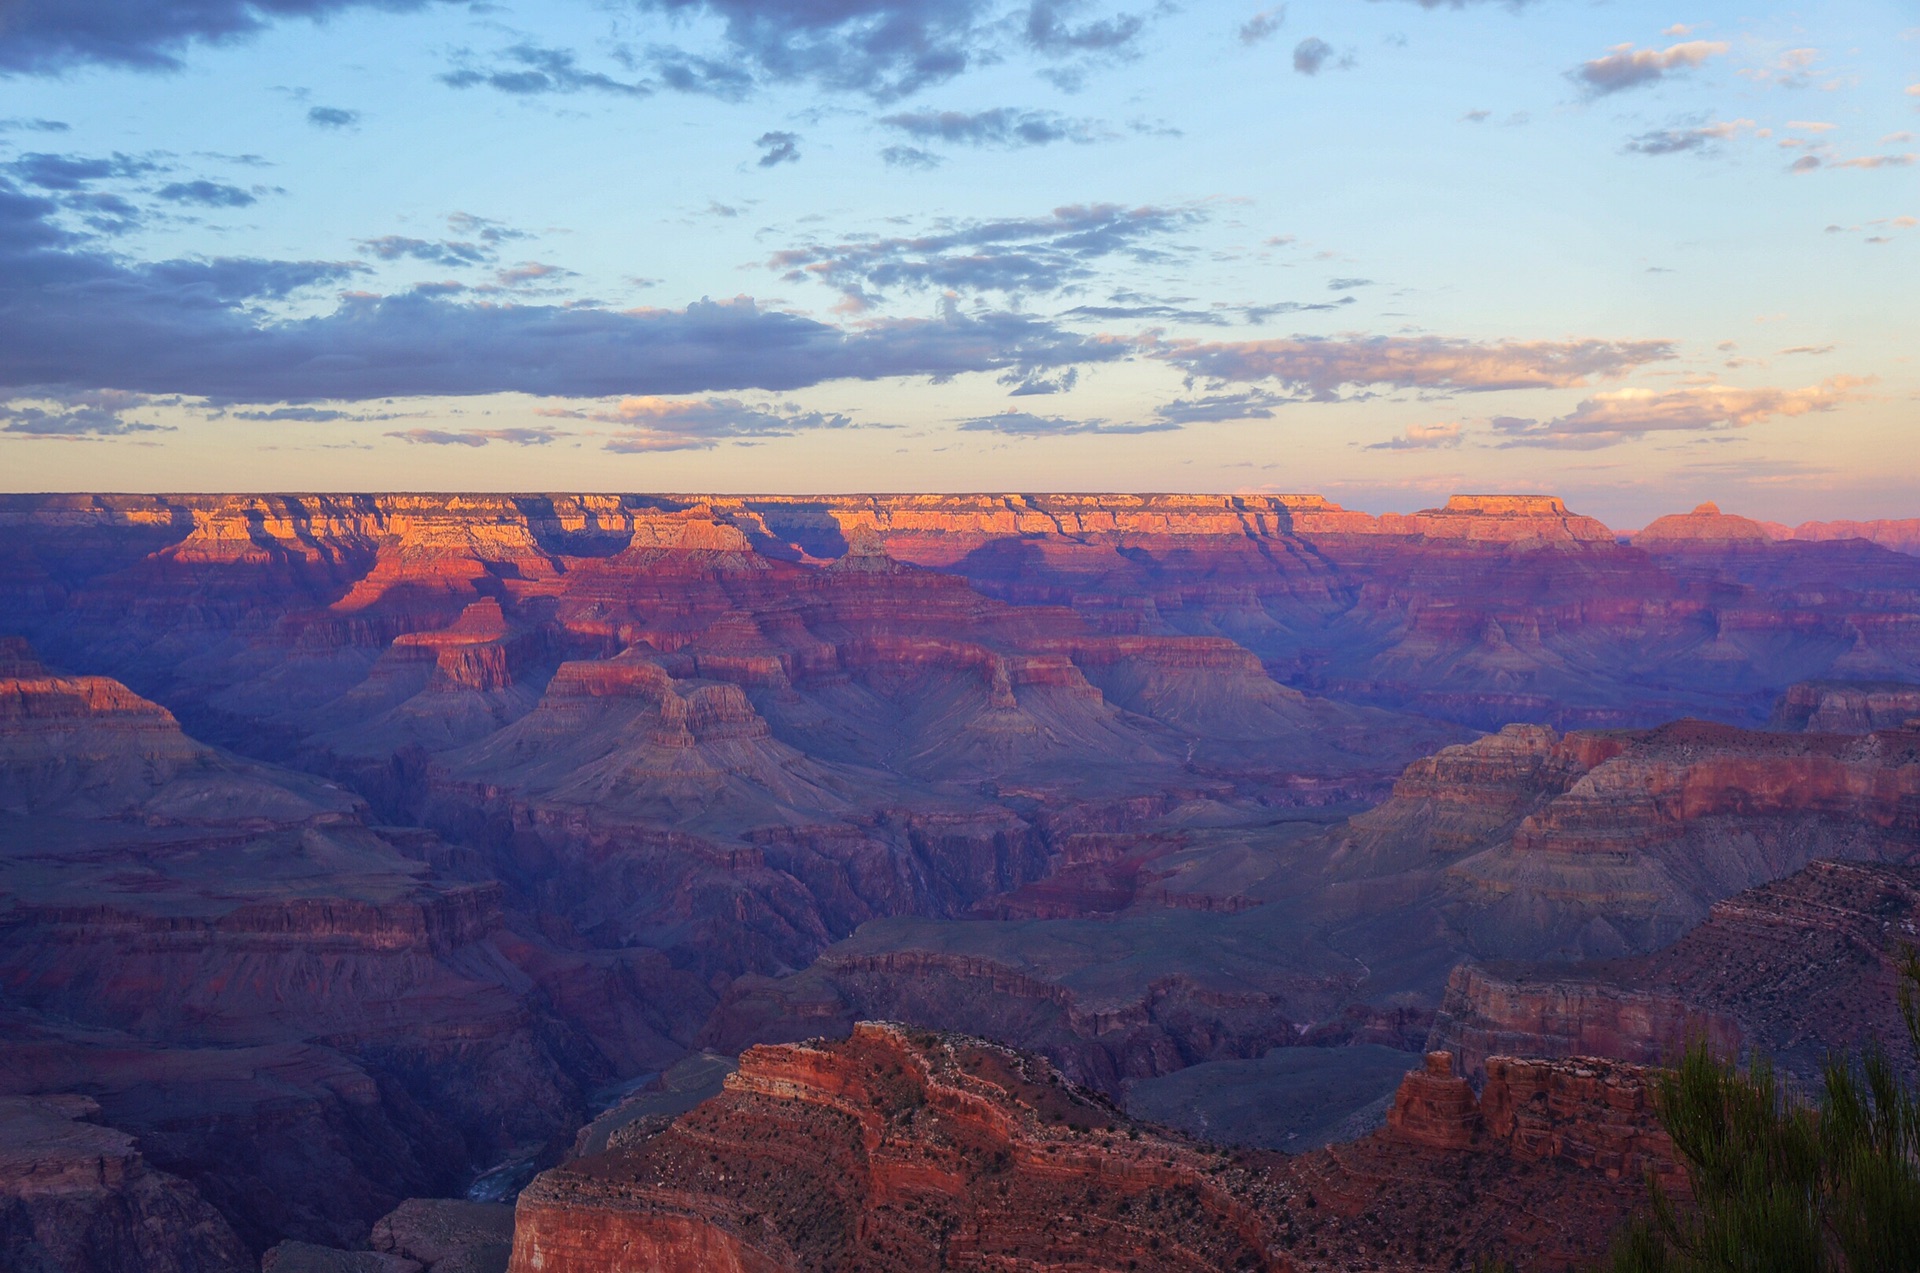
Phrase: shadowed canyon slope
(351, 846)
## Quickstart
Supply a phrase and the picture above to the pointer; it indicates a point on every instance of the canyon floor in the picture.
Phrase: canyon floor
(370, 862)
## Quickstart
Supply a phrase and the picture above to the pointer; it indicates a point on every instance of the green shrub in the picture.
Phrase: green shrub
(1783, 1187)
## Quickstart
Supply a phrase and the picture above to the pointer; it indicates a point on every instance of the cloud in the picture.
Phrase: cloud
(475, 437)
(1618, 415)
(1311, 54)
(1347, 284)
(34, 126)
(1422, 437)
(1262, 25)
(1048, 30)
(41, 37)
(1792, 69)
(207, 194)
(1028, 254)
(528, 273)
(1318, 367)
(529, 70)
(1024, 424)
(655, 423)
(332, 117)
(74, 318)
(890, 49)
(75, 415)
(703, 76)
(778, 148)
(1874, 161)
(1813, 162)
(1002, 127)
(1627, 67)
(74, 172)
(911, 157)
(1252, 404)
(306, 415)
(1697, 139)
(395, 247)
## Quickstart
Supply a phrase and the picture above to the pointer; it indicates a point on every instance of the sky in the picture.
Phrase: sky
(1640, 255)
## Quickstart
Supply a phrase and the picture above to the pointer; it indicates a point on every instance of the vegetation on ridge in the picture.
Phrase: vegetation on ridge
(1781, 1186)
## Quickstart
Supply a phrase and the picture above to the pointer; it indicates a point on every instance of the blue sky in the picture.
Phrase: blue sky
(1640, 255)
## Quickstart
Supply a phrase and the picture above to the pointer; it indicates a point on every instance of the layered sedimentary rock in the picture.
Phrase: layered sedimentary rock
(1706, 524)
(285, 1006)
(587, 780)
(77, 1197)
(1902, 534)
(1489, 608)
(1531, 843)
(900, 1149)
(1798, 968)
(1848, 707)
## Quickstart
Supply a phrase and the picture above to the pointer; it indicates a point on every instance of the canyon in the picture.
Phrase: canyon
(361, 849)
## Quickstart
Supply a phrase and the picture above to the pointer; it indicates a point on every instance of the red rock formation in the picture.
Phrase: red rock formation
(1705, 524)
(1848, 707)
(1899, 534)
(898, 1149)
(1435, 1107)
(78, 1197)
(1603, 843)
(1544, 1012)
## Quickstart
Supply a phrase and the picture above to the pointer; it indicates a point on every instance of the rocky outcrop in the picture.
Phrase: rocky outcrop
(901, 1149)
(1848, 707)
(448, 1235)
(79, 1197)
(1595, 1113)
(1902, 534)
(1705, 524)
(1534, 844)
(1543, 1012)
(1798, 968)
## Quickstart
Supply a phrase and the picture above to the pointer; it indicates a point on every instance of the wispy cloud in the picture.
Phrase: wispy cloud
(1423, 437)
(1002, 127)
(476, 437)
(1025, 254)
(76, 415)
(529, 70)
(1694, 139)
(655, 423)
(206, 194)
(332, 117)
(1618, 415)
(1263, 25)
(1319, 367)
(1625, 67)
(1250, 404)
(1025, 424)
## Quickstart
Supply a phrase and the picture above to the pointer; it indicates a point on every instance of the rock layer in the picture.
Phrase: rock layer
(1798, 968)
